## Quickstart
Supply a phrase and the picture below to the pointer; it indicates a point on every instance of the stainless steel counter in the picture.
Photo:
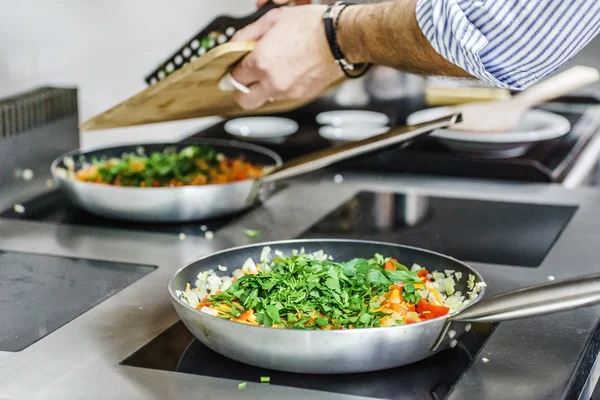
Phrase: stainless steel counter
(81, 359)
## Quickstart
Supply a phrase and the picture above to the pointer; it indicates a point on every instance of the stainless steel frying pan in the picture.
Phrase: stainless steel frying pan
(372, 349)
(202, 202)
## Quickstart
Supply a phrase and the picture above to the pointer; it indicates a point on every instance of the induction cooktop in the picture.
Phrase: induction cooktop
(178, 351)
(41, 293)
(547, 161)
(493, 232)
(54, 207)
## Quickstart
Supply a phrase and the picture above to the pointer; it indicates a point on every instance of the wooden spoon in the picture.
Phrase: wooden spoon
(504, 115)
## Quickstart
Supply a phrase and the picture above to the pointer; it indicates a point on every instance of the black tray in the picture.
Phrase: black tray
(220, 24)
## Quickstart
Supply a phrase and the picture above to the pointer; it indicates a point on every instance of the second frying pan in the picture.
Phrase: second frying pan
(187, 203)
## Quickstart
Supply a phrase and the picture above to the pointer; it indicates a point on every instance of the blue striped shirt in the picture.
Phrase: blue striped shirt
(509, 43)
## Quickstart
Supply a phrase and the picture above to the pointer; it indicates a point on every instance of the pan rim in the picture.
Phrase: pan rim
(447, 317)
(209, 141)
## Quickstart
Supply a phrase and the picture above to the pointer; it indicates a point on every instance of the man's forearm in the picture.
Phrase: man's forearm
(388, 34)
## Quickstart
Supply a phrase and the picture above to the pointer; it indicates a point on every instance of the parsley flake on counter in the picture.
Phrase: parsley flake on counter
(252, 233)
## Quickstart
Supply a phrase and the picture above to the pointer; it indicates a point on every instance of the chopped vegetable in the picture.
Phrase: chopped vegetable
(430, 311)
(252, 233)
(191, 166)
(242, 385)
(311, 291)
(265, 379)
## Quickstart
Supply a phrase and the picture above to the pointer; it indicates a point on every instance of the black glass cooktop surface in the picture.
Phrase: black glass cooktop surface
(54, 207)
(40, 293)
(518, 234)
(177, 350)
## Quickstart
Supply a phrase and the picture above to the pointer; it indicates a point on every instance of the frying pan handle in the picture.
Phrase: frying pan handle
(329, 156)
(536, 300)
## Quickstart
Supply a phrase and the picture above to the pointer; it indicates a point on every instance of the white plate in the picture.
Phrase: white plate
(535, 126)
(262, 129)
(349, 117)
(351, 133)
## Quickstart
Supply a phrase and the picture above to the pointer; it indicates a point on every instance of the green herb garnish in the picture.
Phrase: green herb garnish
(265, 379)
(192, 165)
(252, 233)
(409, 293)
(304, 293)
(242, 385)
(159, 167)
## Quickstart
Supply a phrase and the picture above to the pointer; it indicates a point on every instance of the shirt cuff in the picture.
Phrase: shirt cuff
(449, 30)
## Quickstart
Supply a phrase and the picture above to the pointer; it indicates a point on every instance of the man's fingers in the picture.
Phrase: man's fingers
(255, 99)
(257, 30)
(248, 71)
(245, 72)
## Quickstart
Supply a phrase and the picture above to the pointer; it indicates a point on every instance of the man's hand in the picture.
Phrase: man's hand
(291, 60)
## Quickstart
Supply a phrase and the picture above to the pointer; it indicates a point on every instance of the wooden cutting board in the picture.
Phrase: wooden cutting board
(190, 92)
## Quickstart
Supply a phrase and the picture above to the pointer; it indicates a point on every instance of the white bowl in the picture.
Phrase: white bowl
(352, 133)
(350, 117)
(535, 126)
(262, 129)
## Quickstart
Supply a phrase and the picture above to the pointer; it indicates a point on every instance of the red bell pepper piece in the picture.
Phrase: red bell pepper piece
(430, 311)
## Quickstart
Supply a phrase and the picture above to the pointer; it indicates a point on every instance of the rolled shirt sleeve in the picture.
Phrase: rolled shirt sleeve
(509, 43)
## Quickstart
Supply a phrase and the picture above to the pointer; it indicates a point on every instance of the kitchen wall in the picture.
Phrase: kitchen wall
(105, 47)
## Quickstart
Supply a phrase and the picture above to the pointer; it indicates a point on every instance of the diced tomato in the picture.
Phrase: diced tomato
(389, 266)
(435, 311)
(422, 273)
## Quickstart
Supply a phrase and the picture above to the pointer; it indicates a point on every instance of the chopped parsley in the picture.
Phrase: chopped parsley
(304, 293)
(192, 165)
